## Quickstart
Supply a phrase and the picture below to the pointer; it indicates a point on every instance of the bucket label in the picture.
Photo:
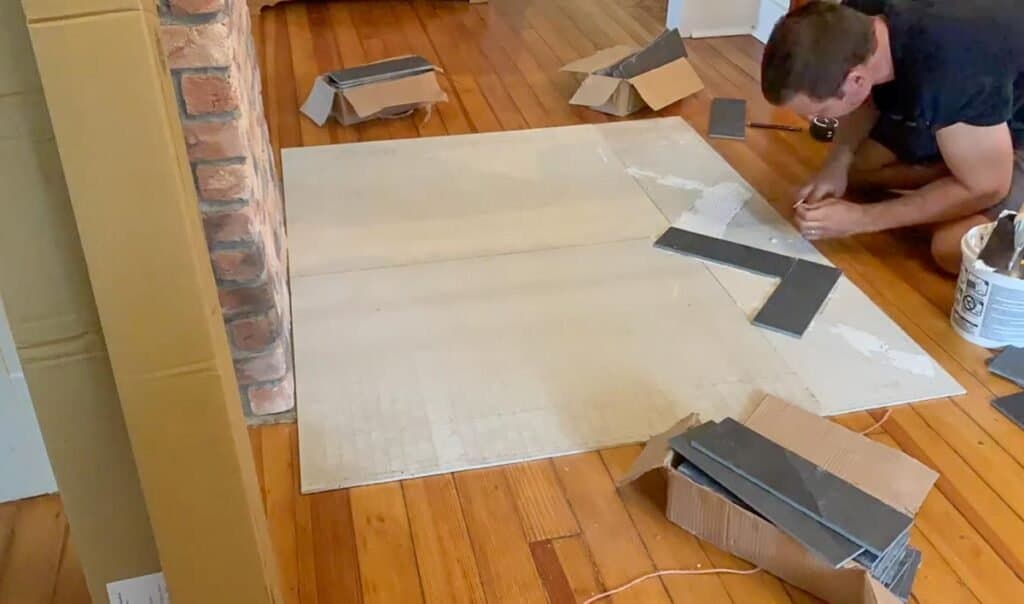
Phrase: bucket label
(988, 311)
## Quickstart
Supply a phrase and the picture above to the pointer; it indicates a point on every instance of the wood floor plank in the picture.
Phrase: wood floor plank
(618, 552)
(541, 81)
(552, 574)
(338, 577)
(523, 95)
(256, 446)
(8, 512)
(304, 68)
(467, 92)
(70, 587)
(30, 572)
(578, 566)
(542, 505)
(279, 477)
(936, 581)
(387, 559)
(285, 96)
(450, 114)
(990, 461)
(979, 504)
(502, 553)
(444, 553)
(971, 555)
(670, 546)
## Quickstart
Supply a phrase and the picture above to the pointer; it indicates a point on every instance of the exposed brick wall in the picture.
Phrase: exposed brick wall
(213, 67)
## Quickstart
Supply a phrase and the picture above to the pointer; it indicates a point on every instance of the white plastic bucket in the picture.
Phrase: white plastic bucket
(988, 308)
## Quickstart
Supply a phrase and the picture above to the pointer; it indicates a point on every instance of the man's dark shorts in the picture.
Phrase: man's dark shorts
(914, 145)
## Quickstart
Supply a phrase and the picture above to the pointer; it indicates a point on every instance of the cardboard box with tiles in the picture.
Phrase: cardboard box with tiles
(384, 89)
(624, 79)
(884, 473)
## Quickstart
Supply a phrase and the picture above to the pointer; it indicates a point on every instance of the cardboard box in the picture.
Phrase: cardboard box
(137, 322)
(383, 89)
(622, 79)
(885, 473)
(56, 330)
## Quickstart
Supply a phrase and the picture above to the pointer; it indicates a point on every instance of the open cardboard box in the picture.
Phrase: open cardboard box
(887, 474)
(383, 89)
(623, 79)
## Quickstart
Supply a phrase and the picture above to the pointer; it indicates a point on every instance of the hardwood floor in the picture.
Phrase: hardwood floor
(557, 530)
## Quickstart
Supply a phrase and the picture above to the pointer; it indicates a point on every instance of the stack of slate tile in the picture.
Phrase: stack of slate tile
(837, 521)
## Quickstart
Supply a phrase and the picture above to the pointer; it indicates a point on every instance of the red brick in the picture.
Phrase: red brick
(207, 45)
(265, 367)
(208, 93)
(266, 399)
(237, 265)
(253, 334)
(249, 299)
(214, 140)
(229, 227)
(225, 183)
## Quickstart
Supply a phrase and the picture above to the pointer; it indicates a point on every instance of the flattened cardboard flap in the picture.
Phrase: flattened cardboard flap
(600, 59)
(885, 473)
(595, 90)
(319, 102)
(372, 98)
(662, 86)
(656, 452)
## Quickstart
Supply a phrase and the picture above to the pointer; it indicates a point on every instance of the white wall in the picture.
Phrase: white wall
(768, 14)
(703, 18)
(24, 468)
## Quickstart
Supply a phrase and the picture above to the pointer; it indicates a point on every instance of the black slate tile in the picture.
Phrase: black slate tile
(725, 252)
(795, 302)
(811, 489)
(818, 538)
(728, 119)
(905, 579)
(1009, 364)
(1011, 406)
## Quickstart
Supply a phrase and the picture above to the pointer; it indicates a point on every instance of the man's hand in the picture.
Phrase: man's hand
(831, 181)
(831, 218)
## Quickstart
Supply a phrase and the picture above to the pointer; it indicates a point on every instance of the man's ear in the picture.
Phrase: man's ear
(856, 81)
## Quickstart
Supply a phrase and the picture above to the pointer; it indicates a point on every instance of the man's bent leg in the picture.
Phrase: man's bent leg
(946, 239)
(946, 236)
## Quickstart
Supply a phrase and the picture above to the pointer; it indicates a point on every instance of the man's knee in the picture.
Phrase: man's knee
(946, 238)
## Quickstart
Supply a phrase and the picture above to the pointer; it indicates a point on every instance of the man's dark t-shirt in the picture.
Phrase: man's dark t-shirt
(954, 61)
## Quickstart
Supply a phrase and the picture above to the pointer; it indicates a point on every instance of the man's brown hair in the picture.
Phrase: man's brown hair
(812, 50)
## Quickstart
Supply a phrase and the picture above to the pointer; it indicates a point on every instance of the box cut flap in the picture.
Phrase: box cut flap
(595, 90)
(319, 102)
(885, 473)
(665, 85)
(372, 98)
(656, 452)
(601, 58)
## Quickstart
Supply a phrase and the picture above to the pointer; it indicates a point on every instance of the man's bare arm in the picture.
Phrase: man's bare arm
(980, 161)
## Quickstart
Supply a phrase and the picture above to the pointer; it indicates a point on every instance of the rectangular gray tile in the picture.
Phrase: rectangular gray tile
(1011, 406)
(728, 119)
(1009, 364)
(818, 538)
(725, 252)
(798, 298)
(904, 583)
(836, 503)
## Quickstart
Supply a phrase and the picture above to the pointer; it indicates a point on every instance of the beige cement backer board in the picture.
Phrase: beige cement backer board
(490, 350)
